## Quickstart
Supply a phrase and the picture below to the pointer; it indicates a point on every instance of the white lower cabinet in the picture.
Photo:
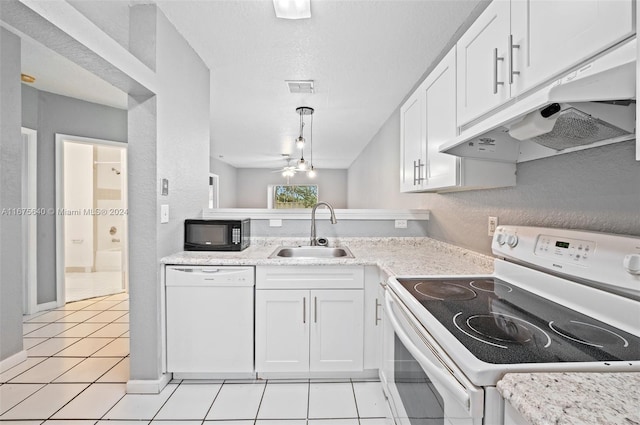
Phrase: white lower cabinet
(313, 329)
(282, 331)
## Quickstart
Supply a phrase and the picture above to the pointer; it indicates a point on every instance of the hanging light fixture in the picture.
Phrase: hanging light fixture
(304, 165)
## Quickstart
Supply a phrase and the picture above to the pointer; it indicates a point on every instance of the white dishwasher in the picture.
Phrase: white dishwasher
(209, 318)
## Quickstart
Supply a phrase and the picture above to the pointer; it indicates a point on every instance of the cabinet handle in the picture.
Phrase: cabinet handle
(415, 180)
(377, 315)
(304, 310)
(511, 47)
(496, 83)
(315, 309)
(420, 166)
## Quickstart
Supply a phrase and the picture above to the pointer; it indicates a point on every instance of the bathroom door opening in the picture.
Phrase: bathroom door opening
(91, 224)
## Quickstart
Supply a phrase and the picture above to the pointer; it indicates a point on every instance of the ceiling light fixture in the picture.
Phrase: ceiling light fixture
(304, 165)
(292, 9)
(27, 78)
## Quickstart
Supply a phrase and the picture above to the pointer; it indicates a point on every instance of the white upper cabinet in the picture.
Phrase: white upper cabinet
(517, 45)
(440, 108)
(412, 145)
(428, 119)
(482, 52)
(554, 36)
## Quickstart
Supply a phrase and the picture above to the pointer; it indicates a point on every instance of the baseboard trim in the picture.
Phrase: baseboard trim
(47, 306)
(148, 386)
(13, 360)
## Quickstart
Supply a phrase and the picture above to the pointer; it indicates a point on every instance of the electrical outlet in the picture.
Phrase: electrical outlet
(493, 223)
(401, 224)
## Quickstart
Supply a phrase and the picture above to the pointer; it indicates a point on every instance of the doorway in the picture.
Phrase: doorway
(91, 224)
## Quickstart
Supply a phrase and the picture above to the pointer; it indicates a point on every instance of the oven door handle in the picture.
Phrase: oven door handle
(435, 373)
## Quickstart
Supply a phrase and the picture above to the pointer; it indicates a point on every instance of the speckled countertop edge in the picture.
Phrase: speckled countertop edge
(574, 398)
(394, 255)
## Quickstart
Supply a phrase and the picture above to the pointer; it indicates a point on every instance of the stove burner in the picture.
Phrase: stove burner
(488, 285)
(588, 334)
(501, 328)
(444, 291)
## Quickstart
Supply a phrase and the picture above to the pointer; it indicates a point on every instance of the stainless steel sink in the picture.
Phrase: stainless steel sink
(311, 252)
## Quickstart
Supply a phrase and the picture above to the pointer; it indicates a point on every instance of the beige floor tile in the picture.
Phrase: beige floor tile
(9, 374)
(82, 330)
(85, 347)
(12, 394)
(50, 330)
(93, 402)
(107, 316)
(112, 330)
(140, 406)
(89, 370)
(119, 373)
(118, 348)
(45, 402)
(51, 346)
(78, 316)
(47, 371)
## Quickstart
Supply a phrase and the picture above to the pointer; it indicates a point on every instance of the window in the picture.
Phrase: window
(295, 196)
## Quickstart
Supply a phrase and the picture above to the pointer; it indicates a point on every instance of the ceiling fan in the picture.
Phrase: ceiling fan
(288, 170)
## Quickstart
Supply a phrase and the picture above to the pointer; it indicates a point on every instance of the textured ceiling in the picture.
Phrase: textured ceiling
(364, 56)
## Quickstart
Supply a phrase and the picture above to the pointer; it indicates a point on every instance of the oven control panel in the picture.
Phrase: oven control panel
(611, 261)
(568, 250)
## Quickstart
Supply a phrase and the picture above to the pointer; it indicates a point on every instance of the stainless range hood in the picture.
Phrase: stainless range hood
(591, 106)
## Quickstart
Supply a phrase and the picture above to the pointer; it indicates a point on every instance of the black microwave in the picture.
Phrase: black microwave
(216, 235)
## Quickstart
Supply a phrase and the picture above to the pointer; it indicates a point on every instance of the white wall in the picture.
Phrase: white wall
(78, 196)
(595, 189)
(169, 138)
(252, 185)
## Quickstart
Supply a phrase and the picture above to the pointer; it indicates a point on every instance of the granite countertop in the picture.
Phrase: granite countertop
(394, 255)
(574, 398)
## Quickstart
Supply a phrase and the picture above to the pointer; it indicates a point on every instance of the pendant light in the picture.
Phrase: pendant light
(304, 165)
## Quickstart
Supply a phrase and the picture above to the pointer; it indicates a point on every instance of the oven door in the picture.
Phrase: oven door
(423, 387)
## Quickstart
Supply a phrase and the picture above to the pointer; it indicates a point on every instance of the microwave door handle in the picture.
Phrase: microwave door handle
(434, 372)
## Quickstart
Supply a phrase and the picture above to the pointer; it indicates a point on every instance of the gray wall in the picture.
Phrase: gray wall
(49, 114)
(11, 272)
(252, 185)
(227, 181)
(596, 189)
(169, 138)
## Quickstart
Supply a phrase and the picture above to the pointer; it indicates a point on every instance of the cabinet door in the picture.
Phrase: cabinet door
(481, 54)
(411, 142)
(556, 35)
(282, 331)
(440, 95)
(337, 335)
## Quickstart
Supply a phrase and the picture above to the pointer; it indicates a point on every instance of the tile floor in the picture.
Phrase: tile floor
(78, 365)
(79, 286)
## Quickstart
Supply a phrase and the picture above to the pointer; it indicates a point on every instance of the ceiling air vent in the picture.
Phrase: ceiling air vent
(300, 86)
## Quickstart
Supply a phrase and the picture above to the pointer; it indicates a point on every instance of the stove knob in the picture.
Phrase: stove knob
(512, 241)
(632, 263)
(500, 239)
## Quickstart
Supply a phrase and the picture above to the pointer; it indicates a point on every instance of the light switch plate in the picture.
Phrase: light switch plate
(164, 213)
(275, 222)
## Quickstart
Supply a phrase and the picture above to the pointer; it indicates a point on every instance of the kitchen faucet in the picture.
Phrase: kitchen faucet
(314, 242)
